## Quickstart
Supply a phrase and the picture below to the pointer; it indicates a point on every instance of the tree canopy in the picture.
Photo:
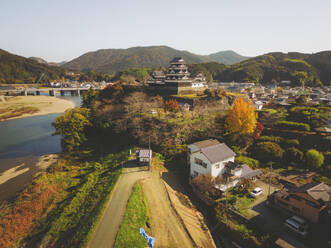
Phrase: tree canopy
(241, 118)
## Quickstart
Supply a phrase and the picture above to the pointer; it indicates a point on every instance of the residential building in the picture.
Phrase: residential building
(217, 159)
(310, 200)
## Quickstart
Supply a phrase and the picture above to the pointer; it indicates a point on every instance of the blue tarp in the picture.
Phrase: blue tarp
(150, 240)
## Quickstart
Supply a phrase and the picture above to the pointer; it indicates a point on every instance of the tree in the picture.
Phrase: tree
(314, 158)
(72, 126)
(171, 106)
(89, 97)
(268, 151)
(241, 118)
(294, 155)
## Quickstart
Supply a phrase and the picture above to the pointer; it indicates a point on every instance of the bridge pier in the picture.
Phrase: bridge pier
(52, 92)
(78, 92)
(25, 92)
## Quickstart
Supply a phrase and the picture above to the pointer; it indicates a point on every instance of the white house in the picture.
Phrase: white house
(217, 159)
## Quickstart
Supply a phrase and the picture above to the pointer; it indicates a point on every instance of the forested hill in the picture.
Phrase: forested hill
(112, 60)
(15, 68)
(300, 68)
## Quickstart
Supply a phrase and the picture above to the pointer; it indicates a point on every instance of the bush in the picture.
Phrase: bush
(275, 139)
(268, 151)
(293, 155)
(251, 162)
(292, 125)
(314, 158)
(290, 142)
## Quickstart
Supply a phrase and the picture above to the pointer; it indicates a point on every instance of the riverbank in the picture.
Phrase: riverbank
(14, 107)
(17, 173)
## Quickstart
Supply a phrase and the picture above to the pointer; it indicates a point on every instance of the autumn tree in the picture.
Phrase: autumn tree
(241, 118)
(171, 106)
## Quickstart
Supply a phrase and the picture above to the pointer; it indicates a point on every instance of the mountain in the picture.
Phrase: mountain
(14, 68)
(112, 60)
(227, 57)
(42, 61)
(300, 68)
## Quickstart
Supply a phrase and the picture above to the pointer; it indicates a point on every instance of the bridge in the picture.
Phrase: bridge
(50, 91)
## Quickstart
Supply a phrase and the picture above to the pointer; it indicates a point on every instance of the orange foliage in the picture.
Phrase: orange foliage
(241, 118)
(171, 105)
(32, 204)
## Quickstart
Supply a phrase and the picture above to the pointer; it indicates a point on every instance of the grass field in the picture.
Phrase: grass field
(136, 216)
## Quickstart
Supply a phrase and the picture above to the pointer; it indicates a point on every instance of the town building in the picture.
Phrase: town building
(304, 197)
(217, 159)
(177, 80)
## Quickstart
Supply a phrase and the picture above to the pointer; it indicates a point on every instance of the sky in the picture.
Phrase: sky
(61, 30)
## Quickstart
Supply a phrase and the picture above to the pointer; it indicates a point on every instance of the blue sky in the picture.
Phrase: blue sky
(60, 30)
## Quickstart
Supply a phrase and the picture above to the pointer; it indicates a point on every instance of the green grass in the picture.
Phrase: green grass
(188, 96)
(135, 217)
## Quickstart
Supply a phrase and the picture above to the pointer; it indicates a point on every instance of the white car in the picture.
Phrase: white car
(256, 192)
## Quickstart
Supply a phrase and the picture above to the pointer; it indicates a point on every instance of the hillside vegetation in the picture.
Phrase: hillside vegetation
(112, 60)
(301, 69)
(14, 68)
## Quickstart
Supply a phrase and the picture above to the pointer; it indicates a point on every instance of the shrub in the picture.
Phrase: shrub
(275, 139)
(290, 142)
(293, 155)
(268, 151)
(314, 158)
(292, 125)
(251, 162)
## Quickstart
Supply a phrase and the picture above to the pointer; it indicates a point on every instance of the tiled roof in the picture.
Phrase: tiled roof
(320, 192)
(218, 152)
(206, 143)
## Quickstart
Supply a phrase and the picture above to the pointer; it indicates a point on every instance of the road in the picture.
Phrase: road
(167, 228)
(109, 225)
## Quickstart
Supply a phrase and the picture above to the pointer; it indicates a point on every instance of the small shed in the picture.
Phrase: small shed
(144, 156)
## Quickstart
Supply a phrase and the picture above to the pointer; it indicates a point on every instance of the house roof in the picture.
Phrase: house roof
(206, 143)
(158, 74)
(218, 152)
(320, 192)
(248, 172)
(144, 153)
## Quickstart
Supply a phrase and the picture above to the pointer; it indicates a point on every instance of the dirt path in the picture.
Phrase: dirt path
(166, 226)
(192, 219)
(109, 225)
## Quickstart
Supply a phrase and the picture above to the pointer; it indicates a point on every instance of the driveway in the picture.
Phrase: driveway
(106, 231)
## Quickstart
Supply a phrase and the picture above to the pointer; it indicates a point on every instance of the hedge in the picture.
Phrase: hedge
(293, 125)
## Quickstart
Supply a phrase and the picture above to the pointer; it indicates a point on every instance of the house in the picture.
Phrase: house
(144, 156)
(311, 200)
(217, 159)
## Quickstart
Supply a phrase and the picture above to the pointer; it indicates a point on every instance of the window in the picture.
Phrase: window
(200, 162)
(217, 166)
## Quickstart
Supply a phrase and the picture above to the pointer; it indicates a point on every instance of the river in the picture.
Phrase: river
(25, 139)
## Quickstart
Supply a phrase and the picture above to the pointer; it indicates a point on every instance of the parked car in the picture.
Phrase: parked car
(297, 225)
(256, 192)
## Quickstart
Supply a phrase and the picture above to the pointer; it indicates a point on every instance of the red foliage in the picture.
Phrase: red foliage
(27, 210)
(171, 105)
(258, 130)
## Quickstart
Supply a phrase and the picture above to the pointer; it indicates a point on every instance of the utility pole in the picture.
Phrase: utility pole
(226, 198)
(269, 179)
(149, 152)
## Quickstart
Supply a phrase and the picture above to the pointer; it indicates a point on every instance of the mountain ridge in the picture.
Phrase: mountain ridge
(112, 60)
